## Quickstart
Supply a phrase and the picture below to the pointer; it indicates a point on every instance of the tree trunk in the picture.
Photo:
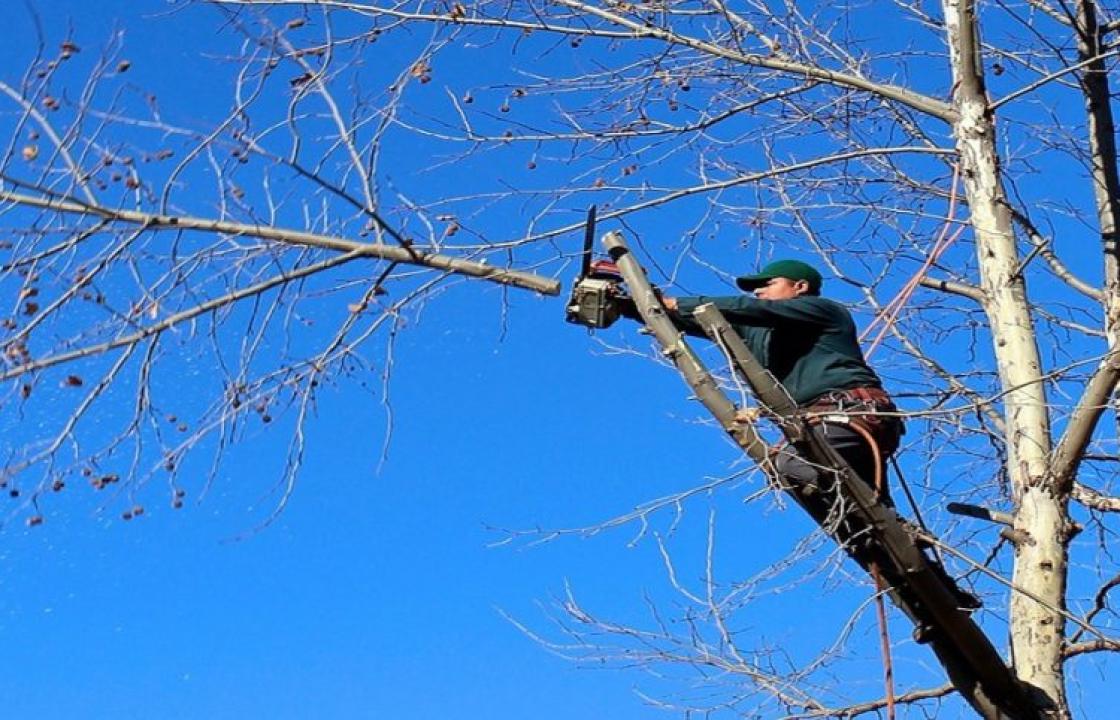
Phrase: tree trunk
(1037, 632)
(1102, 149)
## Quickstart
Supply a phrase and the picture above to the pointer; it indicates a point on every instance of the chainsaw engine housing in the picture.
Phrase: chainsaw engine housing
(592, 302)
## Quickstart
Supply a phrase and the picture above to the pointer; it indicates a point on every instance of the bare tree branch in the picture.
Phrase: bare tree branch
(410, 255)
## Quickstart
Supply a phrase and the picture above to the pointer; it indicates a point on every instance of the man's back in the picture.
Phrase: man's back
(809, 342)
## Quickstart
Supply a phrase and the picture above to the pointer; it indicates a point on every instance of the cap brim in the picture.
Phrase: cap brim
(752, 282)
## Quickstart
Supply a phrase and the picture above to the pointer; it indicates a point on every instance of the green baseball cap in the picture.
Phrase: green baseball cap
(789, 269)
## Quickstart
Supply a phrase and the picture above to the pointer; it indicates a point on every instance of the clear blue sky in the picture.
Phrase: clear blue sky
(377, 593)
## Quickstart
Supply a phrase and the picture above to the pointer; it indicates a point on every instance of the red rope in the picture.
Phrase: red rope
(887, 317)
(880, 605)
(890, 312)
(884, 641)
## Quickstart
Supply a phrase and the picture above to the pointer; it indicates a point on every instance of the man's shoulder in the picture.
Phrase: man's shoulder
(819, 301)
(824, 308)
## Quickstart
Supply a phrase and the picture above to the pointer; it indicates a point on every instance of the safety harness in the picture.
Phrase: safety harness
(868, 410)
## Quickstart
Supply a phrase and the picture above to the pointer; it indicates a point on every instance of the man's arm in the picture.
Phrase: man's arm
(762, 313)
(627, 308)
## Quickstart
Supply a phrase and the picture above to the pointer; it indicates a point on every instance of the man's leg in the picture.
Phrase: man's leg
(821, 482)
(852, 446)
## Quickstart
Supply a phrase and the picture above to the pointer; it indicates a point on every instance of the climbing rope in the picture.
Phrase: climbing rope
(890, 311)
(880, 586)
(887, 317)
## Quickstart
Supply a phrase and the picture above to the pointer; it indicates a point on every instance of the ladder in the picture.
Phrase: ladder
(870, 532)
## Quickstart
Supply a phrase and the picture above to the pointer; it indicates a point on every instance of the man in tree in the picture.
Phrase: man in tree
(809, 344)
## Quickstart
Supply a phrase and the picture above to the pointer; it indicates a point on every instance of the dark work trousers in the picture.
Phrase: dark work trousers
(851, 445)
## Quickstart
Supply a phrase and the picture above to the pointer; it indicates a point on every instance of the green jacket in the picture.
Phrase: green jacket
(809, 343)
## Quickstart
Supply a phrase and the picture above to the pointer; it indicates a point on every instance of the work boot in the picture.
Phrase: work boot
(966, 600)
(923, 633)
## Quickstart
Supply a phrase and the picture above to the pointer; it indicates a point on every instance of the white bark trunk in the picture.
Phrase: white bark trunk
(1037, 633)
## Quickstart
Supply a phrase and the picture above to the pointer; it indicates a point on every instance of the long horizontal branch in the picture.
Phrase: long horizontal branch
(448, 18)
(405, 255)
(623, 133)
(713, 187)
(922, 103)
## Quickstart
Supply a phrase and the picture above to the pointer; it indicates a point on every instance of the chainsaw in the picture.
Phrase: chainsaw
(597, 289)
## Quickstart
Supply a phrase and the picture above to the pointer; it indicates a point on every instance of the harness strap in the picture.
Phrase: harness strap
(869, 408)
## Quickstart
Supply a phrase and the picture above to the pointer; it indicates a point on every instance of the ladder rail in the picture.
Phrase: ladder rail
(973, 664)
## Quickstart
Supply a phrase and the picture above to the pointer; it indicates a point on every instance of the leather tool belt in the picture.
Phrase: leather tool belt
(869, 407)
